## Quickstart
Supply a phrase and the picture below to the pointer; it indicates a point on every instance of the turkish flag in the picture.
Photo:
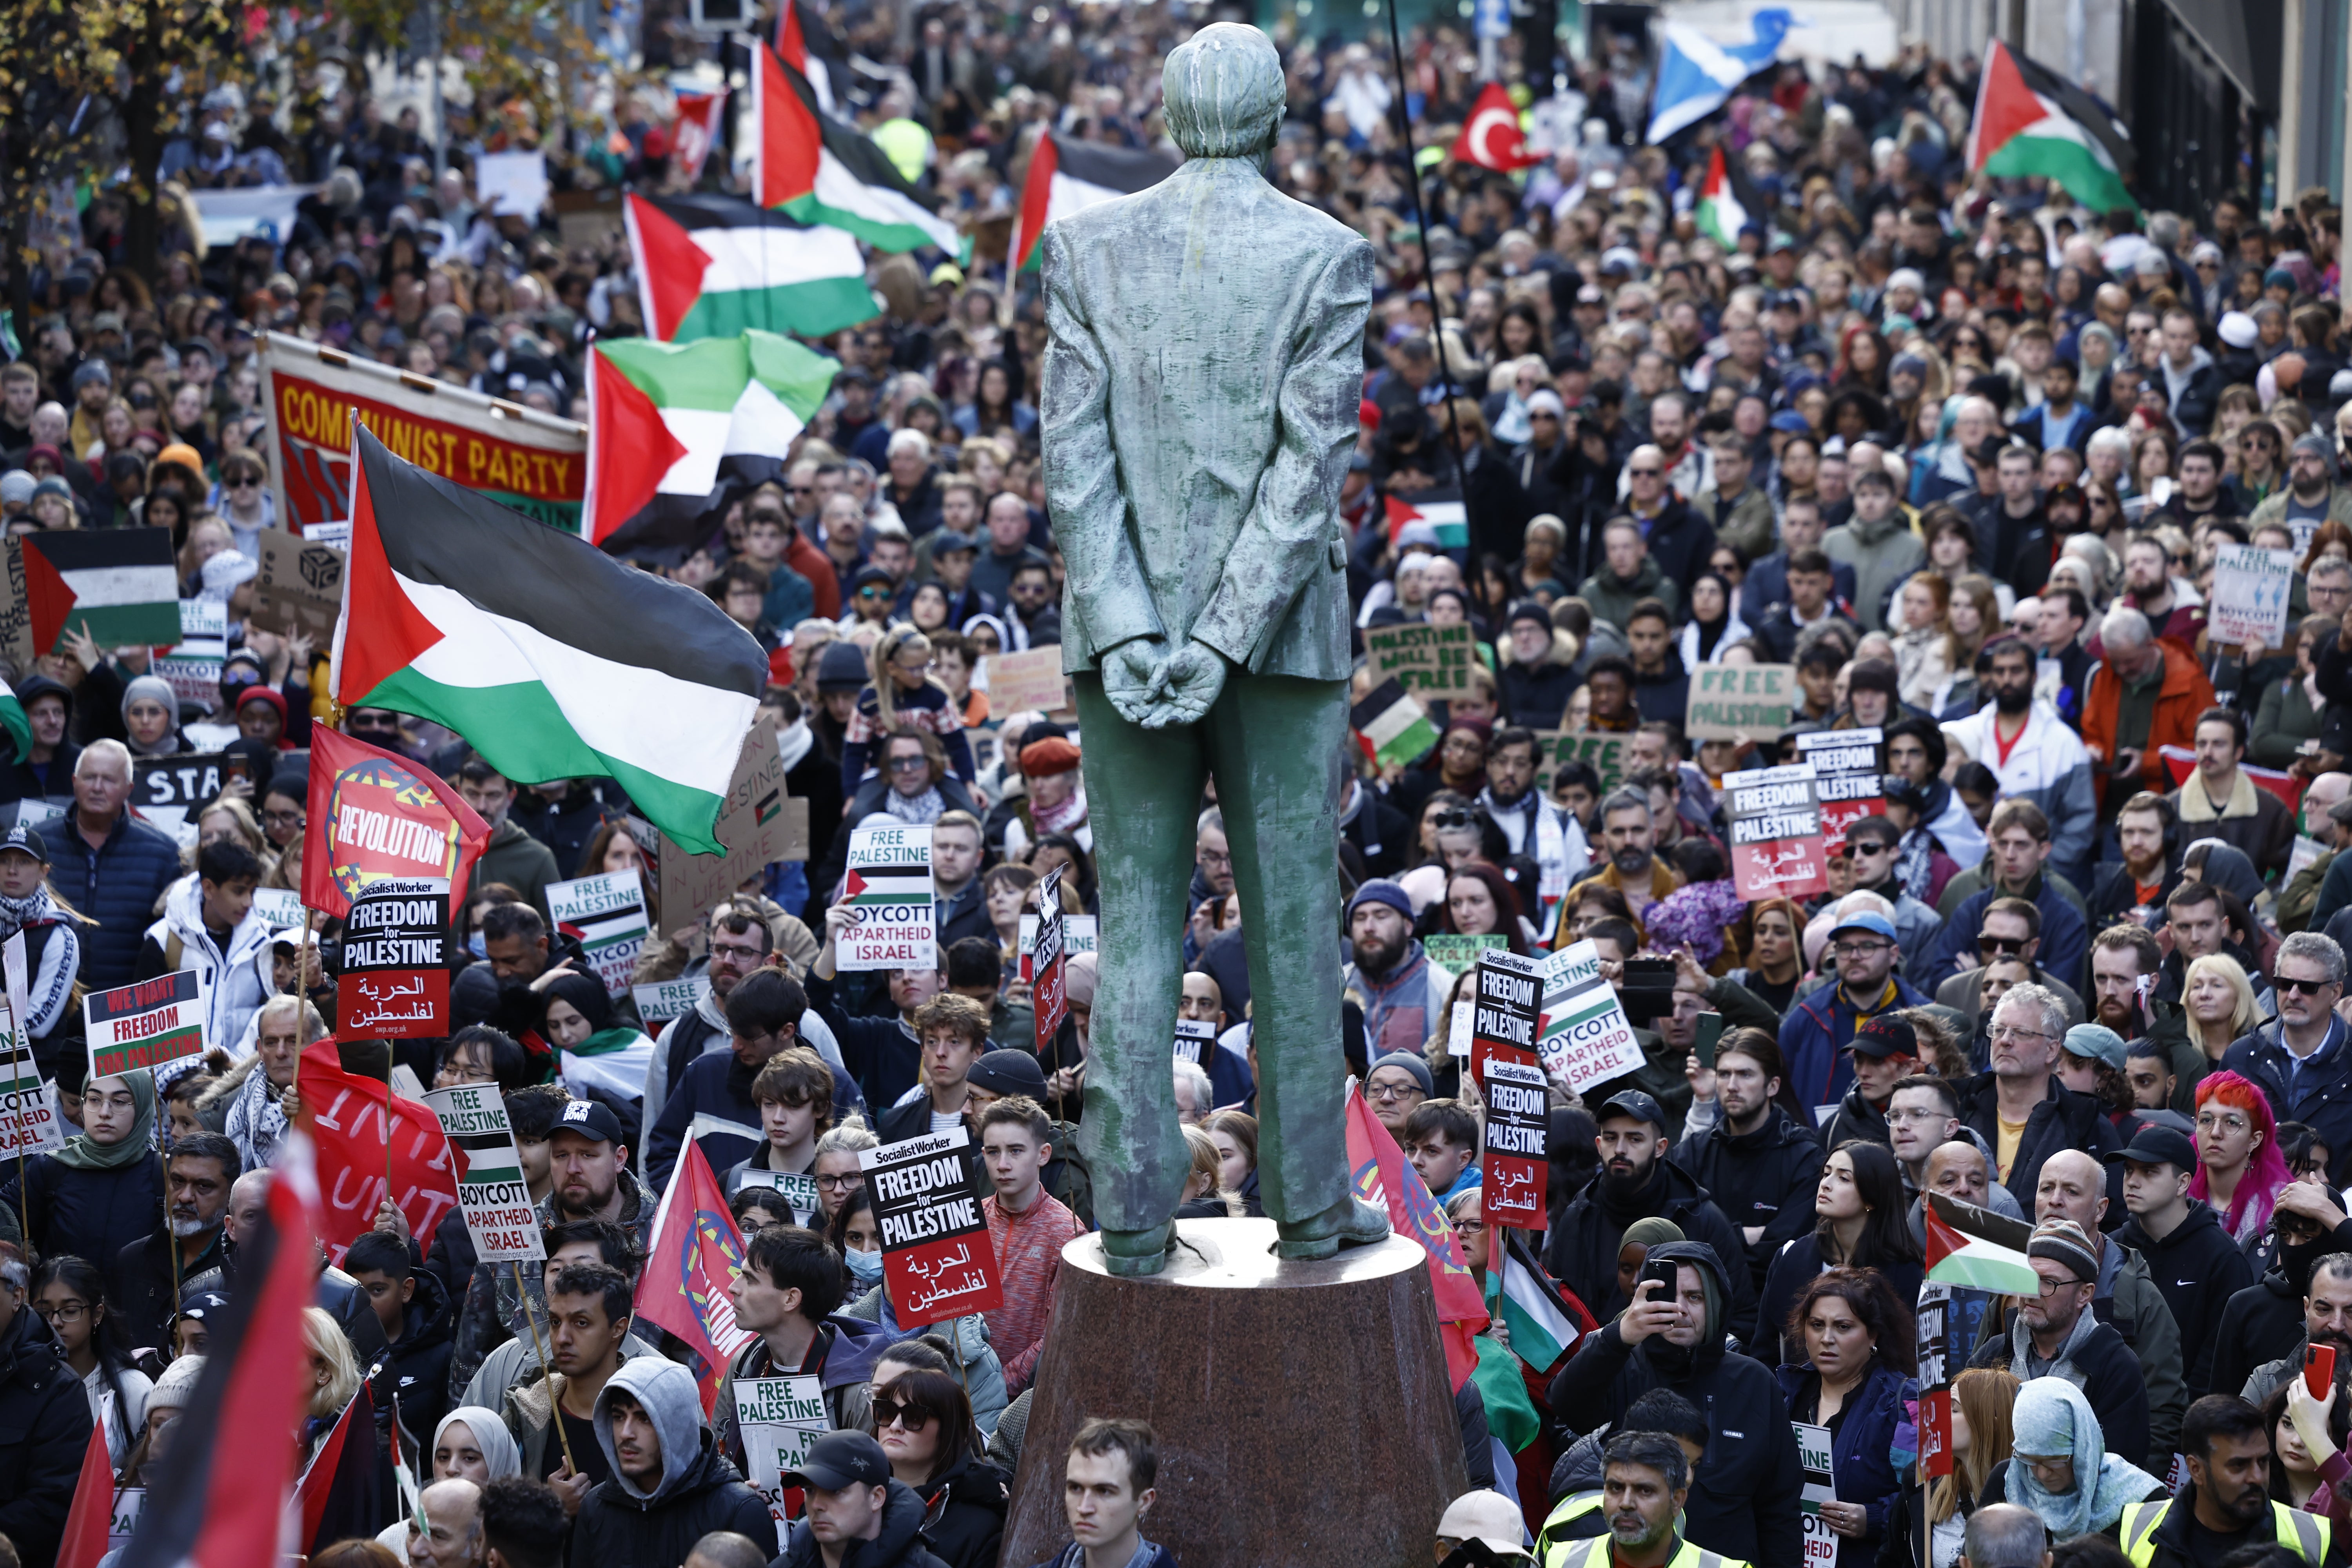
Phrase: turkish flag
(347, 1117)
(1490, 138)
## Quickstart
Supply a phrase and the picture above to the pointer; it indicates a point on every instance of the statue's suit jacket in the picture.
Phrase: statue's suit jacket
(1200, 393)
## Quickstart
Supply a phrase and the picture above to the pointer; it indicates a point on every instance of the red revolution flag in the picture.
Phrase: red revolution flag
(1383, 1176)
(374, 814)
(695, 1256)
(347, 1116)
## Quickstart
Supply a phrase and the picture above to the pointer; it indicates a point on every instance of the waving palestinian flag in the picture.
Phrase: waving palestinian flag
(810, 48)
(2031, 121)
(1440, 507)
(552, 660)
(1727, 203)
(1067, 176)
(711, 265)
(676, 430)
(822, 171)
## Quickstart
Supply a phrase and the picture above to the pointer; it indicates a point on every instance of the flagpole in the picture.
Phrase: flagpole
(546, 1372)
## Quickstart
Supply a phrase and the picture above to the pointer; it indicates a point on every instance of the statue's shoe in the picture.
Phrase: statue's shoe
(1134, 1253)
(1350, 1222)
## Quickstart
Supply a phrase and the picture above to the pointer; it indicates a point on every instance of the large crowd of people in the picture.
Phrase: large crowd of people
(1964, 456)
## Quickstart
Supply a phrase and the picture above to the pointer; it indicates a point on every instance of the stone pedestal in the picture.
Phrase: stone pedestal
(1304, 1412)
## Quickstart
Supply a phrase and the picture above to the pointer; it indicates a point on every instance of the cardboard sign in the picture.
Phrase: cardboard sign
(1847, 779)
(1455, 953)
(2249, 602)
(798, 1190)
(1510, 997)
(1049, 1000)
(666, 999)
(491, 1188)
(1195, 1039)
(192, 667)
(144, 1025)
(606, 915)
(891, 900)
(936, 1254)
(1586, 1038)
(29, 1122)
(1820, 1486)
(167, 792)
(1435, 659)
(1727, 701)
(1935, 1380)
(1609, 752)
(1019, 682)
(1776, 833)
(757, 823)
(299, 588)
(1516, 1167)
(277, 907)
(1460, 1026)
(780, 1419)
(395, 978)
(1079, 934)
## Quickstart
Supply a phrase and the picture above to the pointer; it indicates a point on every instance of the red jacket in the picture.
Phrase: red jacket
(2186, 693)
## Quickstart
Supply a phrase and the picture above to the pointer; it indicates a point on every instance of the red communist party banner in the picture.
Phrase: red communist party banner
(374, 814)
(349, 1126)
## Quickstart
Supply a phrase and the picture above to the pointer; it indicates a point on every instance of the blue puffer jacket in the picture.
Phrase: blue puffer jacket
(115, 887)
(1862, 1456)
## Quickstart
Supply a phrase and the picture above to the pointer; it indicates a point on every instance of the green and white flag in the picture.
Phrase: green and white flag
(1528, 1305)
(12, 720)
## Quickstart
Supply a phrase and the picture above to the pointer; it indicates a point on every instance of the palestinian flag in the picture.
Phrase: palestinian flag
(676, 430)
(2029, 121)
(552, 660)
(1727, 203)
(824, 172)
(1390, 724)
(121, 585)
(808, 46)
(887, 887)
(1957, 1256)
(711, 265)
(1067, 176)
(221, 1494)
(12, 720)
(1442, 509)
(83, 1544)
(1524, 1299)
(340, 1494)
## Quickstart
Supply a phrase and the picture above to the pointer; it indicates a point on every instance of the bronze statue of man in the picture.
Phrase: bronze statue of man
(1200, 397)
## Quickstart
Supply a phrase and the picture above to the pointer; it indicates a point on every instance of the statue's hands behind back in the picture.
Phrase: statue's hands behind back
(1187, 686)
(1130, 673)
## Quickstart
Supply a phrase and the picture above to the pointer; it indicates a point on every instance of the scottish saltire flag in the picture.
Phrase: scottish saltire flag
(1696, 74)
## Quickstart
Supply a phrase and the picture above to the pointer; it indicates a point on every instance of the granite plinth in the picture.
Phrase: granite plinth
(1304, 1412)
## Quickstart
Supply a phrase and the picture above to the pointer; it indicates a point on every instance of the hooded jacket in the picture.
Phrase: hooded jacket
(420, 1359)
(1402, 1008)
(2095, 1359)
(623, 1525)
(490, 1312)
(45, 1425)
(1881, 553)
(1767, 1178)
(686, 1040)
(2062, 1118)
(2199, 1270)
(19, 779)
(1743, 1502)
(900, 1544)
(963, 1513)
(2048, 765)
(521, 862)
(1581, 1253)
(2264, 1320)
(229, 968)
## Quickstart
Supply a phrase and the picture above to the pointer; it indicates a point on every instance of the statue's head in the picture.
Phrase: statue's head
(1223, 92)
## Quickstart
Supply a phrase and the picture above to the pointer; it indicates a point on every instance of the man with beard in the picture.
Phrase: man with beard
(2218, 801)
(2133, 889)
(2148, 585)
(2034, 757)
(2195, 1266)
(1661, 684)
(1873, 845)
(589, 1163)
(1744, 1502)
(2299, 1057)
(1644, 1483)
(1536, 829)
(1628, 834)
(1757, 1151)
(1820, 1028)
(2021, 860)
(337, 1293)
(1404, 998)
(2306, 1297)
(2056, 1335)
(2019, 1106)
(2121, 956)
(1636, 1182)
(2227, 1504)
(2125, 1297)
(511, 856)
(198, 1175)
(1938, 835)
(2311, 490)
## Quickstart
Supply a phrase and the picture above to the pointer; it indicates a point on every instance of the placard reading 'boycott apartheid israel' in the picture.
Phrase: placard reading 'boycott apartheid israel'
(28, 1109)
(1847, 780)
(1776, 833)
(780, 1419)
(1728, 700)
(1509, 994)
(1814, 1457)
(1585, 1037)
(144, 1025)
(1516, 1163)
(606, 915)
(2251, 590)
(491, 1188)
(395, 978)
(935, 1248)
(889, 895)
(1435, 659)
(1049, 998)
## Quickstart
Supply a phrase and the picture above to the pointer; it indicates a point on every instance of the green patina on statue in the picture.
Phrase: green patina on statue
(1200, 397)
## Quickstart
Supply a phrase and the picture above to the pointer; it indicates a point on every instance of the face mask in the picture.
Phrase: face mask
(478, 946)
(866, 1267)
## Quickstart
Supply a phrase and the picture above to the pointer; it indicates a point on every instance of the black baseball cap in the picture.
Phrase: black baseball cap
(840, 1459)
(1633, 1102)
(24, 835)
(590, 1119)
(2153, 1145)
(1885, 1037)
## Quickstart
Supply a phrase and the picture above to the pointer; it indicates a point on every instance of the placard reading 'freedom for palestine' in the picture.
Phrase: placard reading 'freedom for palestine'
(1509, 995)
(144, 1025)
(934, 1247)
(890, 894)
(499, 1216)
(1517, 1160)
(396, 979)
(1776, 833)
(1846, 779)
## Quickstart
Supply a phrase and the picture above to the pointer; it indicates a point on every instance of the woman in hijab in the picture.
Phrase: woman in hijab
(471, 1444)
(151, 718)
(102, 1191)
(604, 1057)
(1713, 624)
(2060, 1467)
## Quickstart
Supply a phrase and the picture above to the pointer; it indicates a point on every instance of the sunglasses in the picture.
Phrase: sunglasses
(889, 1412)
(873, 593)
(2302, 987)
(2005, 945)
(247, 483)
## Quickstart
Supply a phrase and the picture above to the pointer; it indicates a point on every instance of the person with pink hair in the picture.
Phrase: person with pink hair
(2239, 1168)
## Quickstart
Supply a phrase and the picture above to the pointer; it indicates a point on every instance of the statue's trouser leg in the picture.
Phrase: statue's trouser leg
(1270, 741)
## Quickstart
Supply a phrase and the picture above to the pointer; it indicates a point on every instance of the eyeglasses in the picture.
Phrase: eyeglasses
(2002, 944)
(842, 1183)
(735, 949)
(907, 764)
(2302, 987)
(1469, 1226)
(1904, 1118)
(1215, 858)
(282, 818)
(1860, 949)
(2001, 1032)
(1388, 1091)
(62, 1313)
(2223, 1124)
(889, 1412)
(247, 483)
